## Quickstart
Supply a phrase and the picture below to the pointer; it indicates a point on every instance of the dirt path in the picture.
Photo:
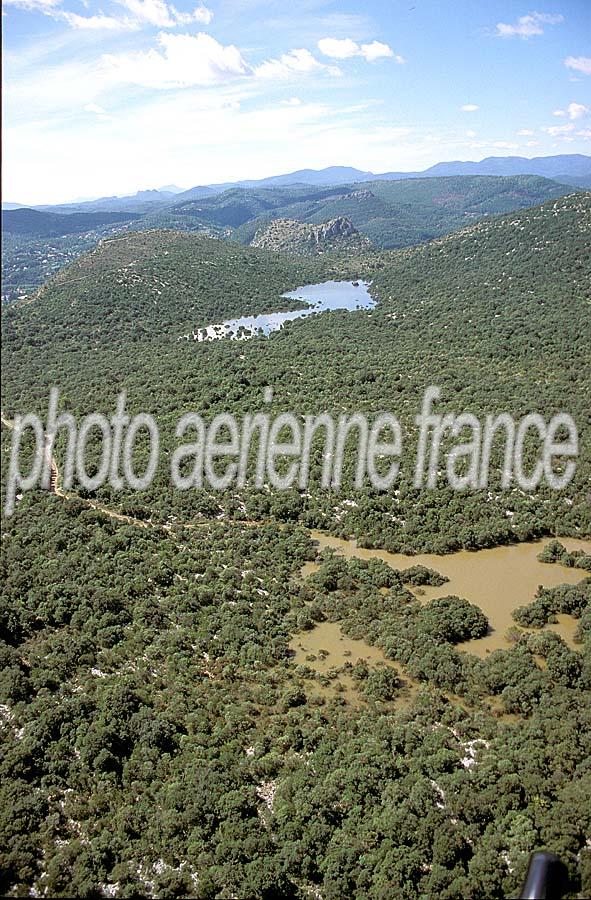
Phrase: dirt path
(55, 488)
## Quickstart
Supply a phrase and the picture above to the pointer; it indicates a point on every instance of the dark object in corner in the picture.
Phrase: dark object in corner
(546, 879)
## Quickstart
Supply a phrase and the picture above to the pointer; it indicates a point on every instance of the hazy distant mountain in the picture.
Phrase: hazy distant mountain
(564, 166)
(7, 205)
(316, 177)
(141, 202)
(547, 166)
(579, 182)
(199, 193)
(330, 175)
(572, 169)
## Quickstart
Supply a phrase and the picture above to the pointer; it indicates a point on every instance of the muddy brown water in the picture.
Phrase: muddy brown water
(310, 647)
(497, 580)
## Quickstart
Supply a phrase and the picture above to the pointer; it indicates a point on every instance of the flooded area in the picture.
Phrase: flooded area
(329, 295)
(325, 648)
(497, 580)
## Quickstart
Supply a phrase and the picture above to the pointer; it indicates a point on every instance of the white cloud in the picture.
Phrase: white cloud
(528, 26)
(579, 64)
(200, 14)
(470, 133)
(174, 61)
(156, 13)
(577, 110)
(469, 107)
(163, 15)
(185, 61)
(95, 108)
(293, 63)
(525, 132)
(345, 48)
(376, 50)
(152, 12)
(585, 133)
(45, 6)
(292, 101)
(97, 23)
(573, 111)
(338, 49)
(559, 129)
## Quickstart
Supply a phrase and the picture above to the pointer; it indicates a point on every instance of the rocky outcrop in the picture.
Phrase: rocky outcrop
(288, 235)
(361, 195)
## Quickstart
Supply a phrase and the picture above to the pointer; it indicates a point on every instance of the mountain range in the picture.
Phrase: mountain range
(571, 169)
(389, 212)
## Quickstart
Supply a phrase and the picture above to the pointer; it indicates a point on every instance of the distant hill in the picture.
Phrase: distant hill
(388, 213)
(139, 203)
(572, 169)
(559, 167)
(238, 205)
(580, 182)
(45, 224)
(402, 213)
(318, 177)
(328, 176)
(393, 212)
(556, 167)
(200, 192)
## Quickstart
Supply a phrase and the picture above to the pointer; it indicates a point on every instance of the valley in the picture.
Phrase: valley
(267, 693)
(295, 450)
(291, 217)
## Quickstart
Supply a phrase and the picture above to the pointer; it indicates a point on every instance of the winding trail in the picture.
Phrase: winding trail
(55, 488)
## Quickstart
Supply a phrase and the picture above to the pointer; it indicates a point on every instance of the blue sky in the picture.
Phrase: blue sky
(120, 95)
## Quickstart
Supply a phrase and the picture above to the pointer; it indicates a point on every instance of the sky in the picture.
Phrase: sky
(111, 97)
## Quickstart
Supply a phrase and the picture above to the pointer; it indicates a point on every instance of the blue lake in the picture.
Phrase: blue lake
(347, 295)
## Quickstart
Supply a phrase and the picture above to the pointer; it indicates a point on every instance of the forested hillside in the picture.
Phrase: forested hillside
(388, 213)
(497, 316)
(158, 740)
(33, 223)
(157, 736)
(148, 287)
(406, 212)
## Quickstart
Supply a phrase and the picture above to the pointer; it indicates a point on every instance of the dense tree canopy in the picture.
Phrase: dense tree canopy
(158, 736)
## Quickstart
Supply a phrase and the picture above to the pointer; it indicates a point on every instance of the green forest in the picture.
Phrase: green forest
(389, 213)
(497, 315)
(158, 736)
